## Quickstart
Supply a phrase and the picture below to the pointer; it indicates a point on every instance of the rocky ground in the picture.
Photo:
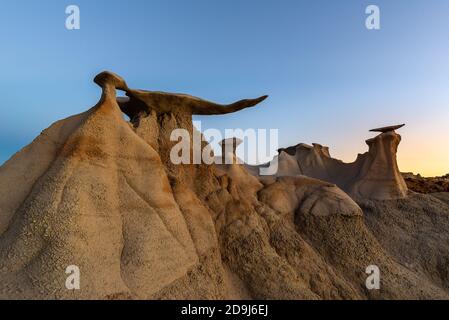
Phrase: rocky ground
(420, 184)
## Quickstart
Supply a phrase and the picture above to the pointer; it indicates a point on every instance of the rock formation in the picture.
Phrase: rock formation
(101, 193)
(374, 175)
(228, 151)
(388, 128)
(420, 184)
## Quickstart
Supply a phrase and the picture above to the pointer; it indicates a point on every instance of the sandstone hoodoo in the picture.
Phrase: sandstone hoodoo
(228, 150)
(374, 175)
(100, 193)
(143, 101)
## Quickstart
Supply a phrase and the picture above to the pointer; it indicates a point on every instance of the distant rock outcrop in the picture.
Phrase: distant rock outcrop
(374, 175)
(228, 151)
(420, 184)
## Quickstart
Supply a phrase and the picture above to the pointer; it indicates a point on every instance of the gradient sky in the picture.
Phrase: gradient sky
(330, 79)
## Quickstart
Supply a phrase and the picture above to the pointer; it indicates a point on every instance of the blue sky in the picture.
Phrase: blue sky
(329, 78)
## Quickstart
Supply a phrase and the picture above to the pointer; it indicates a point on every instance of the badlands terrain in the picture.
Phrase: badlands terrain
(421, 184)
(100, 192)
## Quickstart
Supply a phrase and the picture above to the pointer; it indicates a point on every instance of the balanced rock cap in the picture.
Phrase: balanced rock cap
(387, 129)
(106, 77)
